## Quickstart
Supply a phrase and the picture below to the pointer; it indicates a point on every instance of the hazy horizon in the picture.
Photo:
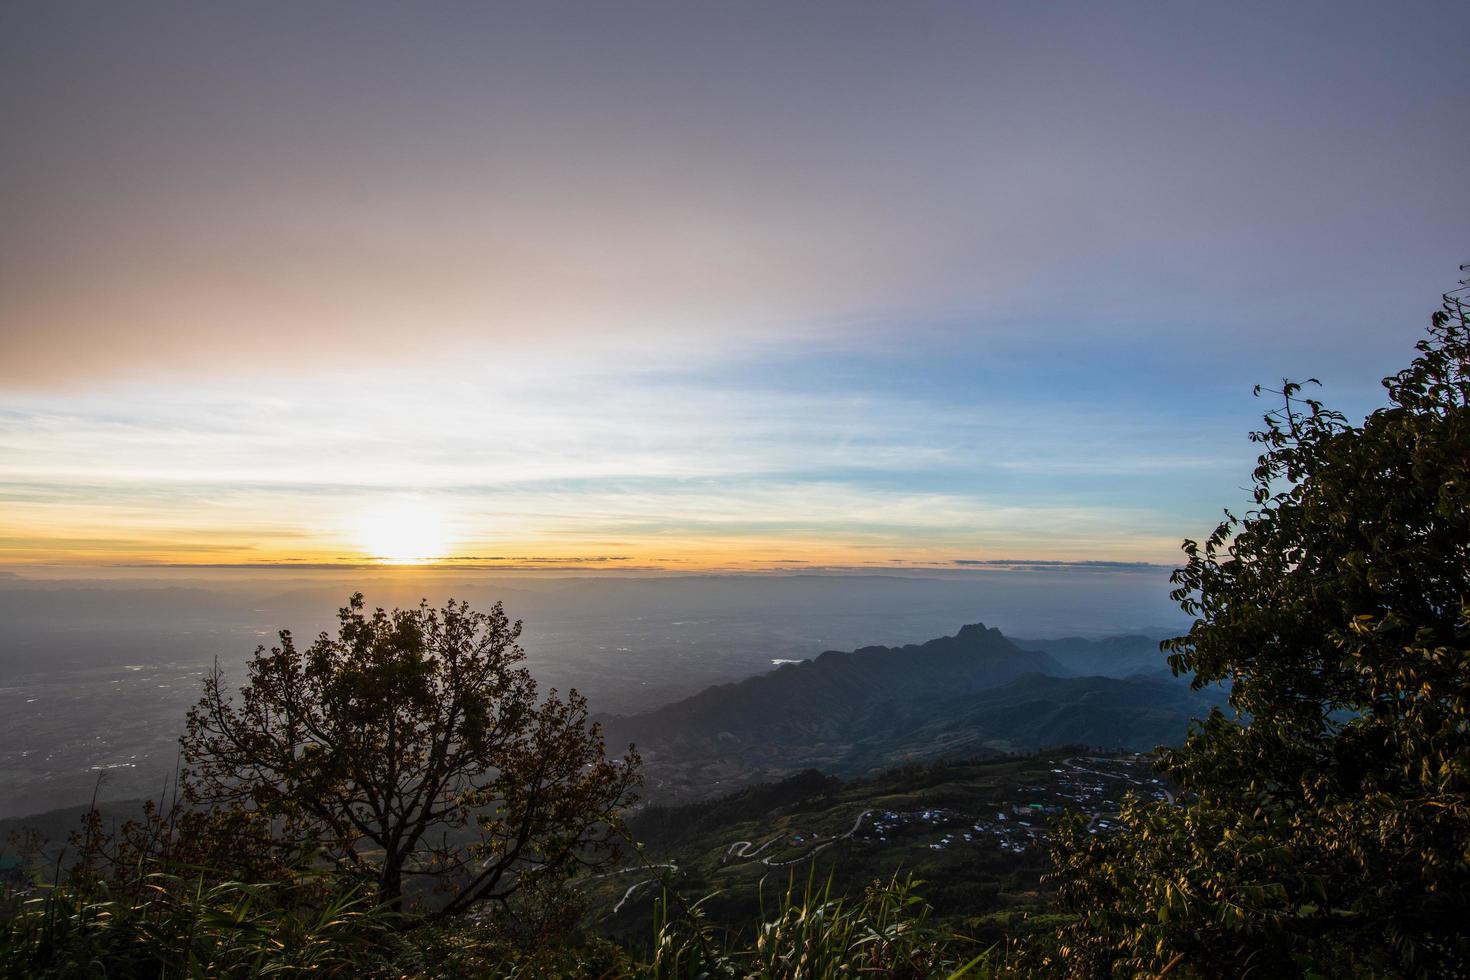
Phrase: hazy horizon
(746, 356)
(694, 286)
(95, 676)
(704, 335)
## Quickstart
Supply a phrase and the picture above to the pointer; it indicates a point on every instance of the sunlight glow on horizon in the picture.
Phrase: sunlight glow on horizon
(563, 464)
(403, 532)
(693, 286)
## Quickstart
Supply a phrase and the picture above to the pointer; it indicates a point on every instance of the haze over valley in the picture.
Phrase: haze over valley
(495, 490)
(98, 675)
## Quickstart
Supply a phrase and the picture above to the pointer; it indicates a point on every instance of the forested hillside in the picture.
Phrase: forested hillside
(847, 713)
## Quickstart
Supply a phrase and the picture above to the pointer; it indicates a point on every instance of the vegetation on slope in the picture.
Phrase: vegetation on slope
(1329, 829)
(872, 709)
(1324, 828)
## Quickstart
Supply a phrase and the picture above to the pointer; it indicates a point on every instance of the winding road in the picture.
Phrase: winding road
(820, 847)
(636, 885)
(639, 884)
(741, 849)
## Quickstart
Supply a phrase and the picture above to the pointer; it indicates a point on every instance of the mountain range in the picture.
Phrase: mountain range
(1113, 656)
(973, 694)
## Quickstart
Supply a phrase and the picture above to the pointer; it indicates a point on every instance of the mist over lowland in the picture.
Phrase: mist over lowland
(98, 674)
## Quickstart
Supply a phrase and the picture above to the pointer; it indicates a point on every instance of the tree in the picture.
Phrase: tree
(411, 746)
(1327, 824)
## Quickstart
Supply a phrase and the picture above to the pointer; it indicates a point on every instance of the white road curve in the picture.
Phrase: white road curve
(742, 849)
(634, 887)
(820, 847)
(623, 871)
(671, 866)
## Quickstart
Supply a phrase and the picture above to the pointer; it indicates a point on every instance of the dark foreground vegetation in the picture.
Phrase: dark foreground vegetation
(400, 801)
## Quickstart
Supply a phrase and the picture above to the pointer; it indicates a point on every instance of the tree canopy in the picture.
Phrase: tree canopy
(410, 747)
(1326, 826)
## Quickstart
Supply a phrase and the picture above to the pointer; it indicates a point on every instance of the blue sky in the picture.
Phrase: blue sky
(696, 285)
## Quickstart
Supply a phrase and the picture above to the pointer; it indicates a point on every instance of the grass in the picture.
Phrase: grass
(813, 934)
(167, 925)
(164, 926)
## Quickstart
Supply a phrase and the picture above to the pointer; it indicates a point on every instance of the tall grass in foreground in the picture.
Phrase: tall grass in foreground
(172, 926)
(164, 925)
(813, 935)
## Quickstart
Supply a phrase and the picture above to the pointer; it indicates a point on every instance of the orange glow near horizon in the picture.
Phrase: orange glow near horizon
(412, 537)
(403, 469)
(403, 532)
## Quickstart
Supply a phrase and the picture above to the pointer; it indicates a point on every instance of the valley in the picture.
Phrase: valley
(95, 681)
(975, 831)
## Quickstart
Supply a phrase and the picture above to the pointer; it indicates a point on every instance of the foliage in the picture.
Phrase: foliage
(814, 936)
(1327, 829)
(410, 747)
(169, 925)
(165, 925)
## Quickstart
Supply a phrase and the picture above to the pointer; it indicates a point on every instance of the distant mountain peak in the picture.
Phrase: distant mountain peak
(974, 631)
(968, 694)
(843, 685)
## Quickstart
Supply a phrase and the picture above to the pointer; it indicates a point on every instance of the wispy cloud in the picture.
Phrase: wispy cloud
(762, 283)
(603, 459)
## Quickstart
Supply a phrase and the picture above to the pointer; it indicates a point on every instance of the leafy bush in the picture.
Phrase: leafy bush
(1328, 823)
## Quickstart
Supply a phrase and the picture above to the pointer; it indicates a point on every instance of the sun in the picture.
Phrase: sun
(403, 532)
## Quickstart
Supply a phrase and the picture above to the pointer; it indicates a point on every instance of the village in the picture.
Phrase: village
(1095, 786)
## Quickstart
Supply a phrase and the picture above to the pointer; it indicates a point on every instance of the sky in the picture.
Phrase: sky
(692, 286)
